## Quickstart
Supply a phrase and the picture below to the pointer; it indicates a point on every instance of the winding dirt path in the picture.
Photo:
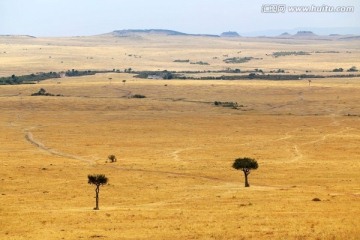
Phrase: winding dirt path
(29, 137)
(175, 154)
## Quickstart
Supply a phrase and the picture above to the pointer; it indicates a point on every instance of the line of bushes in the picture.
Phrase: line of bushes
(233, 105)
(352, 69)
(27, 79)
(42, 92)
(33, 78)
(157, 74)
(252, 75)
(273, 77)
(284, 53)
(77, 73)
(238, 59)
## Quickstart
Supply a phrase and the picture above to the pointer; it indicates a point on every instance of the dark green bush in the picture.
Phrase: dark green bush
(138, 96)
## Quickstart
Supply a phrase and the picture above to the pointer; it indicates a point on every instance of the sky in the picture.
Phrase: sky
(48, 18)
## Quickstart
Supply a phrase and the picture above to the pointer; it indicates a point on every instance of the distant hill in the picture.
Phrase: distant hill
(305, 34)
(350, 38)
(301, 34)
(229, 34)
(165, 32)
(18, 36)
(285, 34)
(318, 31)
(148, 31)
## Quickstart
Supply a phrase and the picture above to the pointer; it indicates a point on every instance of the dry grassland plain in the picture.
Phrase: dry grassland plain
(173, 178)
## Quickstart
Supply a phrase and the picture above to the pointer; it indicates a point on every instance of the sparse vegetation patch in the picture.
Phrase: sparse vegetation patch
(27, 79)
(42, 92)
(233, 105)
(157, 75)
(338, 70)
(33, 78)
(76, 73)
(327, 52)
(138, 96)
(200, 63)
(285, 53)
(352, 69)
(182, 61)
(238, 59)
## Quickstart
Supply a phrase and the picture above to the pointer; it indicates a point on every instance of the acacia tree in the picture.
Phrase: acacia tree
(98, 180)
(245, 164)
(112, 158)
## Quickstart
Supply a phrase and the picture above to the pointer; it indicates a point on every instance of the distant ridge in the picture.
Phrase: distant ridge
(19, 36)
(350, 38)
(301, 34)
(229, 34)
(166, 32)
(285, 34)
(305, 34)
(148, 31)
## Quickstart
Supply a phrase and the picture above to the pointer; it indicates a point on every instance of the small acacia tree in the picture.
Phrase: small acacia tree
(112, 158)
(97, 180)
(245, 164)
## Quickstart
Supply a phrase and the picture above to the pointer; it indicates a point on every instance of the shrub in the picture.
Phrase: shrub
(200, 63)
(352, 69)
(284, 53)
(238, 59)
(42, 92)
(182, 61)
(233, 105)
(138, 96)
(112, 158)
(252, 75)
(338, 70)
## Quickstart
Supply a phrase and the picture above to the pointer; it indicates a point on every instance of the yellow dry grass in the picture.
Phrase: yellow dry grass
(173, 178)
(21, 55)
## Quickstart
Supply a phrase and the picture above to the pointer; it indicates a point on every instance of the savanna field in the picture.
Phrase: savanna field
(173, 178)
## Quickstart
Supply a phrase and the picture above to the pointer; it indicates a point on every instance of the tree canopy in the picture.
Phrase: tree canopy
(97, 179)
(246, 162)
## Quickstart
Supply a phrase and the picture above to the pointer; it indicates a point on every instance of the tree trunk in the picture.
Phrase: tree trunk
(97, 197)
(246, 179)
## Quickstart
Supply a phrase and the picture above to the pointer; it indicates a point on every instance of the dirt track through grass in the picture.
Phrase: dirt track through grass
(29, 137)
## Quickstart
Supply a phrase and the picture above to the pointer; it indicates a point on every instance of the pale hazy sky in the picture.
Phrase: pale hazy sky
(89, 17)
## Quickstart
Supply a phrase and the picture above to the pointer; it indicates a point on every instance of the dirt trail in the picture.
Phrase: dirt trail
(334, 123)
(175, 154)
(127, 93)
(29, 137)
